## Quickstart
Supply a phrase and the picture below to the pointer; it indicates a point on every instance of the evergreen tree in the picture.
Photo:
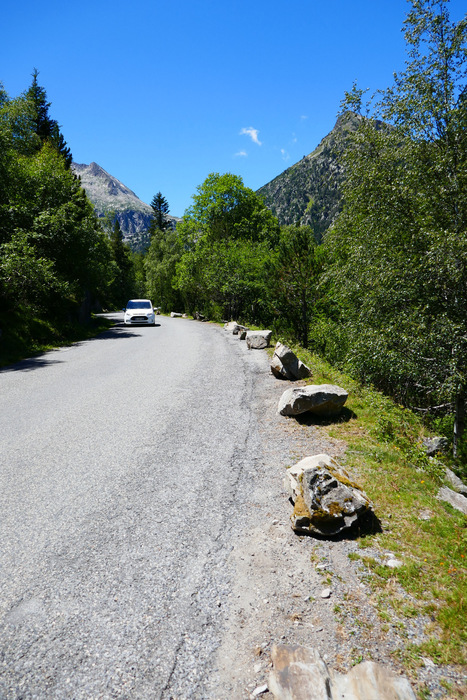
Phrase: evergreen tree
(160, 207)
(45, 127)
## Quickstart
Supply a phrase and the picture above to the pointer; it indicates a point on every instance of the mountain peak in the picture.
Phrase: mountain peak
(310, 192)
(110, 196)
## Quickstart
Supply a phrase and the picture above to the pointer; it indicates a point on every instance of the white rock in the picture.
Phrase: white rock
(326, 593)
(456, 500)
(394, 563)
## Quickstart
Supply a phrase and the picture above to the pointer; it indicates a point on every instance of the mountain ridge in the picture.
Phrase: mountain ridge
(110, 196)
(310, 191)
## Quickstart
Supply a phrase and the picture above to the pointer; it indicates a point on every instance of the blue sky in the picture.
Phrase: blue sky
(160, 94)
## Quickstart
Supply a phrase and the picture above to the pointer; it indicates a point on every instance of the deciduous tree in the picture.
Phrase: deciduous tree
(400, 246)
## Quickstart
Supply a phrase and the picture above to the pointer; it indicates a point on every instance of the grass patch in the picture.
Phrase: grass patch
(385, 456)
(25, 335)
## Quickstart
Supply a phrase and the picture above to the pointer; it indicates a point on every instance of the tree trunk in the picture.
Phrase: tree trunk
(459, 420)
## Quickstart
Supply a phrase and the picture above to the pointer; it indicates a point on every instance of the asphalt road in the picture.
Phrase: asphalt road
(122, 467)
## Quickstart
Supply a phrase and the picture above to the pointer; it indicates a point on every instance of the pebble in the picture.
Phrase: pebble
(259, 691)
(394, 563)
(326, 593)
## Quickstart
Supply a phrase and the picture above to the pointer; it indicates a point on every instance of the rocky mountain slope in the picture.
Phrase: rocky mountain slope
(110, 195)
(310, 192)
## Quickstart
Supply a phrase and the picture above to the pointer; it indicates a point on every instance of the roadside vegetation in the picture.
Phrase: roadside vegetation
(58, 263)
(385, 454)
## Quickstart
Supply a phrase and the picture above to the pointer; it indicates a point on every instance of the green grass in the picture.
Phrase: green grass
(384, 454)
(25, 335)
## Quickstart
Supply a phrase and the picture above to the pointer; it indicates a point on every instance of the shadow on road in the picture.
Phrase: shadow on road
(45, 359)
(42, 360)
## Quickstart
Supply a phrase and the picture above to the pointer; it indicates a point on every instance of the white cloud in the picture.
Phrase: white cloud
(252, 133)
(303, 116)
(241, 154)
(285, 155)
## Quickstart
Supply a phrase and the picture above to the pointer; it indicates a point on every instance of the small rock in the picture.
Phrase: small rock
(257, 668)
(259, 691)
(394, 563)
(425, 515)
(428, 663)
(326, 593)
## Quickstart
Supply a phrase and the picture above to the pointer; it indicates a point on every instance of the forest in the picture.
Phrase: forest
(382, 294)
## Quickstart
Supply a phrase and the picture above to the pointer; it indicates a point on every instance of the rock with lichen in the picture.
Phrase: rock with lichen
(326, 500)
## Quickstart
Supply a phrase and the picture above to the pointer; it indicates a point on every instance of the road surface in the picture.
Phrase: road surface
(122, 468)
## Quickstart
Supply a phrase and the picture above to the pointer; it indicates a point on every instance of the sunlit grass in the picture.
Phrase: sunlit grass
(384, 453)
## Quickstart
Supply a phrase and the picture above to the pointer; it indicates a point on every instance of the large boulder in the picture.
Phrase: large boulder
(326, 500)
(234, 327)
(258, 339)
(286, 365)
(319, 399)
(174, 314)
(300, 673)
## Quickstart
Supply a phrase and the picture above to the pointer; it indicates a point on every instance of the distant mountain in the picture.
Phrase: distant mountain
(110, 195)
(310, 192)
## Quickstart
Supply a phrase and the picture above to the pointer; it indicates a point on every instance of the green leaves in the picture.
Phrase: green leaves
(399, 249)
(225, 238)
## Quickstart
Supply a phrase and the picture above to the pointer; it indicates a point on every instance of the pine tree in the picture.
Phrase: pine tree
(46, 128)
(160, 207)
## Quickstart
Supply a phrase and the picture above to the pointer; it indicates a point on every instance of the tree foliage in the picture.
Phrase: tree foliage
(399, 249)
(160, 207)
(294, 271)
(225, 237)
(54, 256)
(46, 128)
